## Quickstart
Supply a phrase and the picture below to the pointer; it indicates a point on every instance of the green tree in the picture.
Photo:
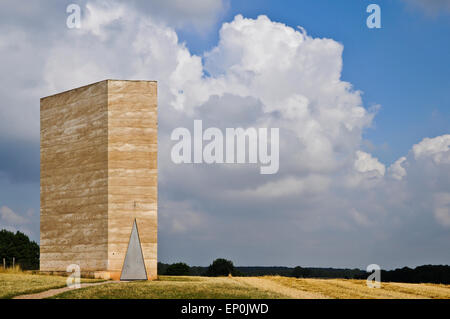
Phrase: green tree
(19, 246)
(221, 267)
(300, 272)
(178, 269)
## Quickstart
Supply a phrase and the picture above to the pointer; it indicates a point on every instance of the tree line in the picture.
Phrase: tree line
(18, 246)
(439, 274)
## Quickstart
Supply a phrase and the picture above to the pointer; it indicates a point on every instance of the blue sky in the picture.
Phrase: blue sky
(404, 66)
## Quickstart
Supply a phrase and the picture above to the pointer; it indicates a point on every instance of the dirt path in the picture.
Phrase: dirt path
(54, 292)
(267, 284)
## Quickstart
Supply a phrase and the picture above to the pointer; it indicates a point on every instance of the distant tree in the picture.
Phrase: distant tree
(162, 267)
(19, 246)
(221, 267)
(300, 272)
(439, 274)
(178, 269)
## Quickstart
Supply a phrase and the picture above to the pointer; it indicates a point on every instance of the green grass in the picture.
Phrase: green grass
(15, 282)
(168, 287)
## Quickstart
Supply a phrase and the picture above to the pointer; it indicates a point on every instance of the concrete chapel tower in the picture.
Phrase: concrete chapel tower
(99, 180)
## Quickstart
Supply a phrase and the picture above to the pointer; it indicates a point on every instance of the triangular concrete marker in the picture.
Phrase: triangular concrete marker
(134, 266)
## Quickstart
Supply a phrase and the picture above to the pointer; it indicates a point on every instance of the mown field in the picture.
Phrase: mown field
(222, 287)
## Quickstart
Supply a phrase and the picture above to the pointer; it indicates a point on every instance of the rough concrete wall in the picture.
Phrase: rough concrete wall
(132, 167)
(74, 177)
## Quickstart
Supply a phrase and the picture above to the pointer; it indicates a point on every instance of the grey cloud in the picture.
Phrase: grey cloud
(431, 6)
(19, 160)
(198, 15)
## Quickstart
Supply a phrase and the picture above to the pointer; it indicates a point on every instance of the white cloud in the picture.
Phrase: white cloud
(425, 174)
(285, 187)
(396, 170)
(365, 163)
(296, 75)
(437, 148)
(99, 15)
(288, 71)
(442, 208)
(10, 217)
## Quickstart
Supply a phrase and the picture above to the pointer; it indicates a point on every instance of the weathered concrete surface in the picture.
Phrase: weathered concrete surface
(98, 174)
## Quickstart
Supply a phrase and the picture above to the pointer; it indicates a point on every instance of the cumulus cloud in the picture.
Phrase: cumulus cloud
(425, 175)
(99, 16)
(396, 170)
(437, 148)
(365, 163)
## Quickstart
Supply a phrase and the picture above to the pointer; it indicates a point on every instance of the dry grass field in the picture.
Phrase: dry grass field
(168, 287)
(15, 282)
(357, 289)
(258, 287)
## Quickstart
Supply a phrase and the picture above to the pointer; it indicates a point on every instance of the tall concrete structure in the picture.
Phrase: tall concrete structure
(98, 176)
